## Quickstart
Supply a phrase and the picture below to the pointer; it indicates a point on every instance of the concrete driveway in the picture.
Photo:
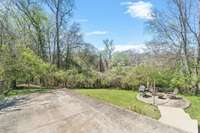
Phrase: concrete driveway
(177, 117)
(63, 111)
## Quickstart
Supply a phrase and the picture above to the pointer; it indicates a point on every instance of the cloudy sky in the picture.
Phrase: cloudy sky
(120, 20)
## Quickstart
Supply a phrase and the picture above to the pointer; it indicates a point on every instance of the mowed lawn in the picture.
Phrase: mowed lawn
(25, 91)
(194, 109)
(123, 98)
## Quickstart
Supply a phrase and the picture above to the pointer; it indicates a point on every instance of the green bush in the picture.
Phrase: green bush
(21, 65)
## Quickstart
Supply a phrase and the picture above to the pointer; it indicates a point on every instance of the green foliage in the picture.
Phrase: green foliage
(32, 66)
(21, 64)
(28, 40)
(194, 109)
(25, 91)
(25, 66)
(118, 77)
(1, 72)
(60, 76)
(120, 58)
(131, 81)
(178, 80)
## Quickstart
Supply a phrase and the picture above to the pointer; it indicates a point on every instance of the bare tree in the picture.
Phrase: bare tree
(72, 40)
(183, 19)
(108, 51)
(109, 48)
(179, 27)
(193, 23)
(62, 9)
(172, 28)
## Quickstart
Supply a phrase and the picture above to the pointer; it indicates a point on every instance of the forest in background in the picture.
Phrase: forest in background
(39, 44)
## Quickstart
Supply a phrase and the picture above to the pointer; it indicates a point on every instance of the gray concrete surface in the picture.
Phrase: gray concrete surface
(177, 117)
(67, 112)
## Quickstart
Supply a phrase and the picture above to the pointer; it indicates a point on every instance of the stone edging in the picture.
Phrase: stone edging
(188, 103)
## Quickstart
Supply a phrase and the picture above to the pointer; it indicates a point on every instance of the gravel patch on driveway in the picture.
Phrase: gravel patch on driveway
(63, 111)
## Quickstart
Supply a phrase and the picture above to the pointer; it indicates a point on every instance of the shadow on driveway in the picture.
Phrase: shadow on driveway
(10, 103)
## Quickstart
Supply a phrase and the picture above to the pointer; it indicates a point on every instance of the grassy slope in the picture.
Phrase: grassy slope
(122, 98)
(194, 110)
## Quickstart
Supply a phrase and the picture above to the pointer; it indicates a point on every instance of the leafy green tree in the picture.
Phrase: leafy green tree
(33, 13)
(120, 58)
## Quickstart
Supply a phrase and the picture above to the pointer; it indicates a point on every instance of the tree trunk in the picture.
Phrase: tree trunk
(58, 35)
(183, 22)
(101, 64)
(198, 51)
(1, 38)
(40, 42)
(198, 36)
(14, 84)
(68, 58)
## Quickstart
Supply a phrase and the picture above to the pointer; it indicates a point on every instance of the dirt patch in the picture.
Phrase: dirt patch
(67, 112)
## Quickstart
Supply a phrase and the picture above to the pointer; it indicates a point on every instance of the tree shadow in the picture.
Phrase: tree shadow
(13, 103)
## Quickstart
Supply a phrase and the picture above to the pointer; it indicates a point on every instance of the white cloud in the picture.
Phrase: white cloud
(96, 33)
(139, 9)
(140, 48)
(126, 3)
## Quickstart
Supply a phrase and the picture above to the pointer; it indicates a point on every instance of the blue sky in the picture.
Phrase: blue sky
(120, 20)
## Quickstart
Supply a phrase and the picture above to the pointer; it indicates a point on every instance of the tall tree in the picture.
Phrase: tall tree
(34, 14)
(72, 40)
(109, 48)
(108, 51)
(101, 64)
(179, 27)
(171, 28)
(62, 9)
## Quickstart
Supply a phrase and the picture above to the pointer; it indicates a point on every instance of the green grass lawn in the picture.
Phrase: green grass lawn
(194, 110)
(24, 91)
(126, 99)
